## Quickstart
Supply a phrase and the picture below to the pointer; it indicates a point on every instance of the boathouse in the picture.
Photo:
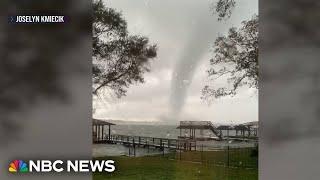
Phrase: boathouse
(192, 126)
(98, 127)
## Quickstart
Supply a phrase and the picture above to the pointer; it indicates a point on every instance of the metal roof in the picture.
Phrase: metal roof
(101, 122)
(194, 124)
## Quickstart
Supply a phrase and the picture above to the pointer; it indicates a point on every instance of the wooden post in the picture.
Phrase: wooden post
(193, 134)
(96, 127)
(243, 134)
(92, 132)
(176, 145)
(98, 133)
(102, 132)
(134, 148)
(180, 152)
(192, 131)
(109, 132)
(139, 140)
(163, 150)
(101, 135)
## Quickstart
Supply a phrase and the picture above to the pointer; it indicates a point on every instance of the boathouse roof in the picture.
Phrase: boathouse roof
(194, 125)
(253, 123)
(101, 122)
(224, 127)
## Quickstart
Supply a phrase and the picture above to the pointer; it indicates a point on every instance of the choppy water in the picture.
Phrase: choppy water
(162, 131)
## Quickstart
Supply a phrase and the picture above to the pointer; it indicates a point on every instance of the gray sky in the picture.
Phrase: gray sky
(184, 31)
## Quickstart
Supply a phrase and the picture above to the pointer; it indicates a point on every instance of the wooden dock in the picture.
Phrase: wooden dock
(147, 142)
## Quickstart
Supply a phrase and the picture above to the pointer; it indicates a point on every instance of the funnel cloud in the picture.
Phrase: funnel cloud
(191, 56)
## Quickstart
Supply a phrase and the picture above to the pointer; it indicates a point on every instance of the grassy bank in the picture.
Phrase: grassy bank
(158, 167)
(240, 157)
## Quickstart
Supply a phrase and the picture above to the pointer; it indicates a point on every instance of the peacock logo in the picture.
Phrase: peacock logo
(18, 166)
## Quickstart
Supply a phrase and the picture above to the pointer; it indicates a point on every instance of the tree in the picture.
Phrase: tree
(119, 59)
(236, 56)
(224, 9)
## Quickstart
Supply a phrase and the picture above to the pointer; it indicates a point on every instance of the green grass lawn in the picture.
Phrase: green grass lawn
(158, 167)
(241, 157)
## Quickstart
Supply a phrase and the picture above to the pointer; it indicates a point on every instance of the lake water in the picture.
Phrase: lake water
(161, 131)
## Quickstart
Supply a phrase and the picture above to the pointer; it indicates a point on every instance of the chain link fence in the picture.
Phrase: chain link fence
(226, 156)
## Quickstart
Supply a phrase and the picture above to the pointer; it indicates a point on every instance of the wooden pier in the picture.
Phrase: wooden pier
(147, 142)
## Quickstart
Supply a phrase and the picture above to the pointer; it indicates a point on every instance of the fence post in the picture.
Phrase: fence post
(134, 148)
(129, 151)
(139, 140)
(163, 149)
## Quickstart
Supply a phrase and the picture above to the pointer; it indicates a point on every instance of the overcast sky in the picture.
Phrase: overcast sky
(184, 31)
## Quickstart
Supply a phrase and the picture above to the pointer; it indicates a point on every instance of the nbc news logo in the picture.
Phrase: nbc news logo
(42, 166)
(18, 166)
